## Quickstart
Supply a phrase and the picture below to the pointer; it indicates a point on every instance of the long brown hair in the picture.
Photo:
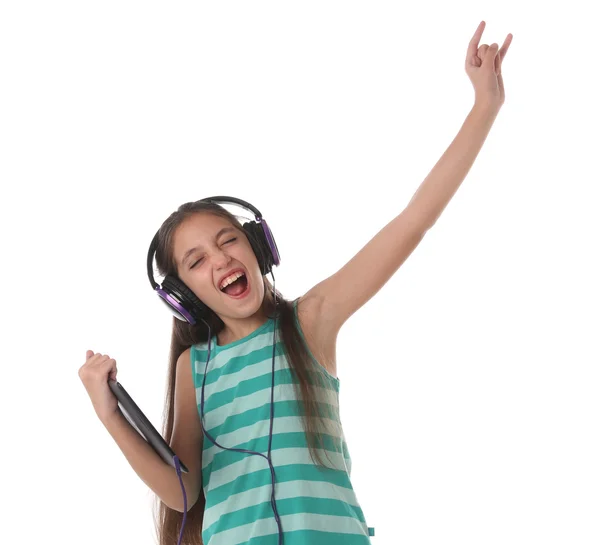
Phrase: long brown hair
(307, 375)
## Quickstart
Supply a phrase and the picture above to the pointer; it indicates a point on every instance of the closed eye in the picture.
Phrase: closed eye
(198, 261)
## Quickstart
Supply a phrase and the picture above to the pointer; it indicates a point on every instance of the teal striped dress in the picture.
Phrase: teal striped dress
(317, 505)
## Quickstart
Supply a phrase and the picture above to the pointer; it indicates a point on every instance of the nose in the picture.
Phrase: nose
(220, 259)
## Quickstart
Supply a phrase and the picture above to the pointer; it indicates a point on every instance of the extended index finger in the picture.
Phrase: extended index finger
(474, 43)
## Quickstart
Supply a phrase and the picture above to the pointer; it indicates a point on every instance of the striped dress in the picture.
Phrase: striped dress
(316, 505)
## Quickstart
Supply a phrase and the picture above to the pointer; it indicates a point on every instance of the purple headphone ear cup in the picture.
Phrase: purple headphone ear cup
(175, 287)
(262, 251)
(270, 239)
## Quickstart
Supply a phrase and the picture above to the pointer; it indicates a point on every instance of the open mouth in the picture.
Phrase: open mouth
(238, 288)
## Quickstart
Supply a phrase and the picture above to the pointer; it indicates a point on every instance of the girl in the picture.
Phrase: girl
(252, 403)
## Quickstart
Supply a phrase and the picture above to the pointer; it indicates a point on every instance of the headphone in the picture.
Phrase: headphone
(187, 307)
(182, 301)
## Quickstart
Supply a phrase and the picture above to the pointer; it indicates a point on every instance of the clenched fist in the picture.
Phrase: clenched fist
(95, 374)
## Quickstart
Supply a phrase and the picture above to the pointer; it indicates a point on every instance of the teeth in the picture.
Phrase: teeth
(230, 279)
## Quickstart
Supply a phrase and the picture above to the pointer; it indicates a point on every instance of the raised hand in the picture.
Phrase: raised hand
(484, 68)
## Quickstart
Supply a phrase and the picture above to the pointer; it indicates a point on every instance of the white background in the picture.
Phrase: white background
(469, 383)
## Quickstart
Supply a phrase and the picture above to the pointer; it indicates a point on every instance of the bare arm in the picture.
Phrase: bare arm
(186, 442)
(447, 175)
(344, 292)
(150, 467)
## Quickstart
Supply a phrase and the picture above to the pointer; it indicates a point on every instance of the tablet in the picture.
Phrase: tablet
(143, 426)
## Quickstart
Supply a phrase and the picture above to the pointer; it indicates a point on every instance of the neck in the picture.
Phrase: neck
(236, 329)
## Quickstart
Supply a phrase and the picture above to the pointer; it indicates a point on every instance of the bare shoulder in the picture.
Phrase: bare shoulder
(320, 333)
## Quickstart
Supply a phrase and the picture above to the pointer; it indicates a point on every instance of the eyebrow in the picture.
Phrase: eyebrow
(196, 248)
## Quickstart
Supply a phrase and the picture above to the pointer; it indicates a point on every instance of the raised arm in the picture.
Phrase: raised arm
(343, 293)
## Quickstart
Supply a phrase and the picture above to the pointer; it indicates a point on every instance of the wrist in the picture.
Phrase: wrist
(487, 107)
(108, 419)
